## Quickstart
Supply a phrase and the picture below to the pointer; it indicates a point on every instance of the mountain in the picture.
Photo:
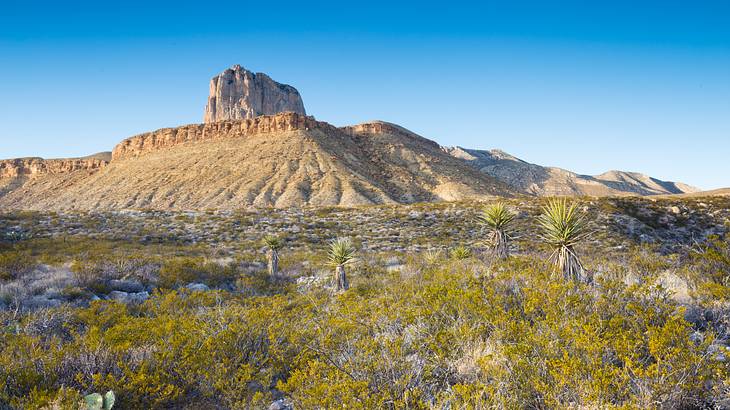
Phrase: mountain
(714, 192)
(534, 179)
(241, 158)
(280, 160)
(237, 93)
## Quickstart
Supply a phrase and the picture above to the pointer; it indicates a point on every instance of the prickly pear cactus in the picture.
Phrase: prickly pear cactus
(109, 400)
(96, 401)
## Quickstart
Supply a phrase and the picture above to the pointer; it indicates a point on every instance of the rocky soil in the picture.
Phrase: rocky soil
(668, 224)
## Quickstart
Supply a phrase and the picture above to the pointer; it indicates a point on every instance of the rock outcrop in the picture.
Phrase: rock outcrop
(169, 137)
(237, 93)
(33, 167)
(382, 127)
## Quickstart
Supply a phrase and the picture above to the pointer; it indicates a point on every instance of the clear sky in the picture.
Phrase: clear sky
(584, 85)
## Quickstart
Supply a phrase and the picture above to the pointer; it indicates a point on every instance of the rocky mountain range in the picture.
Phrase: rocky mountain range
(257, 148)
(534, 179)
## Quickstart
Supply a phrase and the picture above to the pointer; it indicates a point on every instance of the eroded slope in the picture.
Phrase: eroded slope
(273, 161)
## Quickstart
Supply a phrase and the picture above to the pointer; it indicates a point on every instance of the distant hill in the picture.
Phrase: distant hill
(698, 194)
(546, 181)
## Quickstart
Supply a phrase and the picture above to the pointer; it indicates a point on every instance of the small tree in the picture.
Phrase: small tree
(563, 228)
(341, 253)
(497, 218)
(274, 244)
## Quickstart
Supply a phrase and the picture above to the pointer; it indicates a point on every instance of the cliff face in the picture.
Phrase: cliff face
(237, 94)
(33, 167)
(289, 121)
(169, 137)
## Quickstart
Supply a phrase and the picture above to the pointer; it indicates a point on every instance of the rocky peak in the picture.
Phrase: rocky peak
(237, 94)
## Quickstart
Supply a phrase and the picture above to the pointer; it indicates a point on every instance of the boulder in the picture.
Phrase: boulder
(130, 286)
(127, 297)
(281, 404)
(197, 287)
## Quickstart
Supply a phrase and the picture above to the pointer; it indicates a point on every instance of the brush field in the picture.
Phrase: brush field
(177, 309)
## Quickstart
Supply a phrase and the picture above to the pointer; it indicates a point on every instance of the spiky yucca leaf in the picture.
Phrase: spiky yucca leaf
(273, 242)
(342, 252)
(562, 224)
(432, 256)
(563, 227)
(460, 253)
(497, 218)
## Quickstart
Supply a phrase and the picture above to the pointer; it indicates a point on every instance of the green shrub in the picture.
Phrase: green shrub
(89, 274)
(460, 253)
(14, 263)
(516, 339)
(177, 272)
(713, 259)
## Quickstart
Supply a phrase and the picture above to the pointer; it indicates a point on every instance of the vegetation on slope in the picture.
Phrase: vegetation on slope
(415, 329)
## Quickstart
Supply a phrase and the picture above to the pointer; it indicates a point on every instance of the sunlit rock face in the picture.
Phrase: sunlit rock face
(237, 93)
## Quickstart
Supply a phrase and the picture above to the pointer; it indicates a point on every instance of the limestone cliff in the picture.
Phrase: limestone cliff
(169, 137)
(237, 93)
(33, 167)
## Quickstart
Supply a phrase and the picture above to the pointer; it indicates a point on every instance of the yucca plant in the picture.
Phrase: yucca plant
(274, 244)
(563, 227)
(497, 218)
(460, 253)
(432, 256)
(342, 252)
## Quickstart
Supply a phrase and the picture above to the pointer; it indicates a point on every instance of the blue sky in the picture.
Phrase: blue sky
(639, 86)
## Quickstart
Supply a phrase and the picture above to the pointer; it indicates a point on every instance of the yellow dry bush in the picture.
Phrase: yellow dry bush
(515, 338)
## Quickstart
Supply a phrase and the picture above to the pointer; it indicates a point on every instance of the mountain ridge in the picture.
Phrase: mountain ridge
(258, 148)
(382, 162)
(540, 180)
(283, 160)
